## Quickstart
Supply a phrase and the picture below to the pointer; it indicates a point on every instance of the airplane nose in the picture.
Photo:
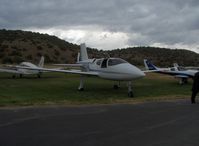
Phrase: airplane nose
(137, 73)
(128, 72)
(142, 74)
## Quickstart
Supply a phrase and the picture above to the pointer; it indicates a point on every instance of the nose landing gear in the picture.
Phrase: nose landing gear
(130, 91)
(81, 85)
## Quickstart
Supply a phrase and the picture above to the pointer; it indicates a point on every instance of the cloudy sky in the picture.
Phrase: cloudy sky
(108, 24)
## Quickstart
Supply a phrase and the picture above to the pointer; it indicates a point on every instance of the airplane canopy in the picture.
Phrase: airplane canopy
(115, 61)
(104, 62)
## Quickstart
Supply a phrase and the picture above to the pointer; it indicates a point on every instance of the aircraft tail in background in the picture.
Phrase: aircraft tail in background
(149, 65)
(83, 53)
(41, 62)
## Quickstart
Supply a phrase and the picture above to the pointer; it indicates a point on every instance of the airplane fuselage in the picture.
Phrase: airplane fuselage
(113, 69)
(185, 73)
(27, 71)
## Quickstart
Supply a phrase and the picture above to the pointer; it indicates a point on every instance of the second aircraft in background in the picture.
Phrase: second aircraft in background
(178, 72)
(17, 70)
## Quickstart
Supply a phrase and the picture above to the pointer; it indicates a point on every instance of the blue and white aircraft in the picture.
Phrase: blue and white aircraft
(178, 72)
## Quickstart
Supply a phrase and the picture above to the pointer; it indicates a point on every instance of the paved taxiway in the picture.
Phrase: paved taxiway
(173, 123)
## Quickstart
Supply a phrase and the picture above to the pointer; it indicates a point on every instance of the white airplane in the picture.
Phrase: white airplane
(17, 70)
(186, 67)
(107, 68)
(176, 71)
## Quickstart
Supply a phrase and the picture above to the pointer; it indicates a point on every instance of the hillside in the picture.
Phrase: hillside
(17, 46)
(160, 56)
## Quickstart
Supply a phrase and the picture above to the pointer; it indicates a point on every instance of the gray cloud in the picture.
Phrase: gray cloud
(166, 22)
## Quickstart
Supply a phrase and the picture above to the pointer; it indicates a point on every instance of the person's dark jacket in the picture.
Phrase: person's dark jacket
(195, 87)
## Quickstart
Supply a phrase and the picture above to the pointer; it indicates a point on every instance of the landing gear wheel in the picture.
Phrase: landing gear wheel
(130, 94)
(183, 81)
(115, 87)
(80, 89)
(81, 85)
(20, 75)
(39, 76)
(13, 76)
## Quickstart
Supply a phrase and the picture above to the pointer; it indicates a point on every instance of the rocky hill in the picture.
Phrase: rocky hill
(160, 56)
(17, 46)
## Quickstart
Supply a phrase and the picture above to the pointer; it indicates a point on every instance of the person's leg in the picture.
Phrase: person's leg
(193, 96)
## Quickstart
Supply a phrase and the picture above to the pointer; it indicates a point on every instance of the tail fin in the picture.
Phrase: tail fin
(78, 57)
(149, 65)
(41, 62)
(83, 52)
(175, 65)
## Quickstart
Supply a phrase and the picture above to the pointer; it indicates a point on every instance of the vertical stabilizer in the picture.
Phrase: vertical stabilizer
(41, 62)
(78, 57)
(83, 52)
(175, 65)
(149, 65)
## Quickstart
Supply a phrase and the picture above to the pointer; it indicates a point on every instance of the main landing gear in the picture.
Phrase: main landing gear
(115, 86)
(81, 85)
(39, 75)
(183, 81)
(130, 91)
(14, 76)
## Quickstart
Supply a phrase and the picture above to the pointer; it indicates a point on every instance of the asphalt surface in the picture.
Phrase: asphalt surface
(173, 123)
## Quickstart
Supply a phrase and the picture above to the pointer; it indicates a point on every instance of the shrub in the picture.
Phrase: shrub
(29, 57)
(7, 60)
(57, 53)
(39, 48)
(18, 59)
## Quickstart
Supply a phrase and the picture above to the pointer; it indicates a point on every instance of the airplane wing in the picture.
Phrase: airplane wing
(146, 71)
(181, 76)
(63, 71)
(194, 68)
(11, 70)
(155, 70)
(69, 65)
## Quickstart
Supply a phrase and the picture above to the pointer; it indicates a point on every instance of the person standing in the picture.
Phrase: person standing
(195, 87)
